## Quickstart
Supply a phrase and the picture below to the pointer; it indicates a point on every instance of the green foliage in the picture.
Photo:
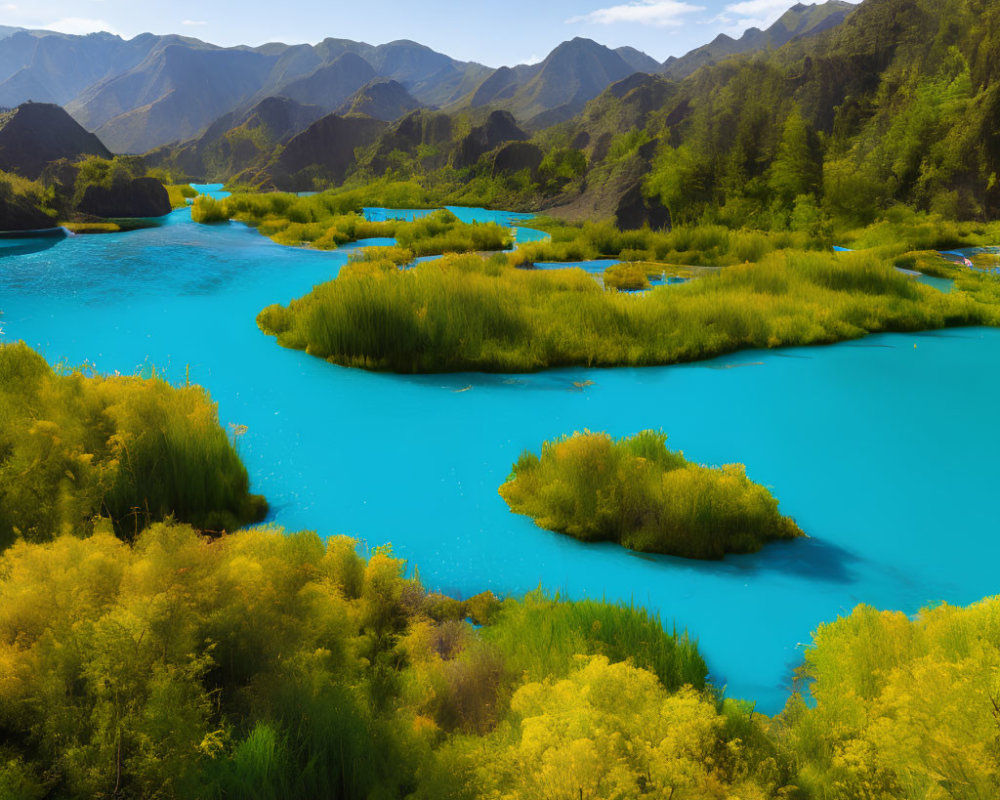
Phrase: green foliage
(903, 707)
(692, 245)
(271, 665)
(636, 492)
(25, 204)
(561, 166)
(469, 313)
(74, 449)
(796, 168)
(262, 665)
(626, 277)
(92, 227)
(320, 221)
(612, 730)
(106, 173)
(626, 144)
(180, 194)
(541, 636)
(207, 210)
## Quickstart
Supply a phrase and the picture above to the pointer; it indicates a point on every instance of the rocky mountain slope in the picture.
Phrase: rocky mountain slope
(36, 134)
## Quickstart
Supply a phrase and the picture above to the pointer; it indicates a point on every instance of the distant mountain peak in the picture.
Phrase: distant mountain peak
(381, 98)
(798, 20)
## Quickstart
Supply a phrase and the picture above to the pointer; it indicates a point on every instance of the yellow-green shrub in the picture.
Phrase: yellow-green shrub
(636, 492)
(75, 448)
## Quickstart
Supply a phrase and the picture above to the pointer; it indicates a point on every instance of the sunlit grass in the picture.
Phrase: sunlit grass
(470, 313)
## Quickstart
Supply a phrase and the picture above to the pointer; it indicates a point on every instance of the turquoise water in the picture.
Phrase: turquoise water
(510, 219)
(595, 267)
(941, 284)
(882, 449)
(213, 190)
(405, 214)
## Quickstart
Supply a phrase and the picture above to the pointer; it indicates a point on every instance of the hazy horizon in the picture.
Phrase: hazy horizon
(661, 28)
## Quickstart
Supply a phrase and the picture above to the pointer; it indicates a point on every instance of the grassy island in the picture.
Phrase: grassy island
(636, 492)
(75, 449)
(467, 312)
(329, 220)
(627, 277)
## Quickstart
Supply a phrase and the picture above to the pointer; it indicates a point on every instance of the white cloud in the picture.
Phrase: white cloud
(532, 59)
(194, 22)
(737, 17)
(79, 25)
(758, 8)
(8, 7)
(659, 13)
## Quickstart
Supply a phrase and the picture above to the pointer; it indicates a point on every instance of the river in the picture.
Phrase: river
(882, 449)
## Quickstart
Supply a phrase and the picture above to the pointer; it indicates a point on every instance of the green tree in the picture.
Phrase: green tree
(796, 170)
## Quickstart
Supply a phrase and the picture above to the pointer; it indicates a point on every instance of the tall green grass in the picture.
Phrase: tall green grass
(540, 635)
(627, 277)
(75, 448)
(470, 313)
(690, 245)
(318, 222)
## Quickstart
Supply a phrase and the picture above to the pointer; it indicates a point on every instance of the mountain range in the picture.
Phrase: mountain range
(894, 104)
(145, 92)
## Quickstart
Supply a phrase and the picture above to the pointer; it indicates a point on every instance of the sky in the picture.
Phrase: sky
(495, 33)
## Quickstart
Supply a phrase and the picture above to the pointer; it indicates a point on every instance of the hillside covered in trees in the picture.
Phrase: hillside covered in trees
(895, 104)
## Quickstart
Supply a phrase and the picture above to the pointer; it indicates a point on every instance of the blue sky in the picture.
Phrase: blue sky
(495, 33)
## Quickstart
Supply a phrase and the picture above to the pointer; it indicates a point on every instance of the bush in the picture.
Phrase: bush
(626, 277)
(76, 448)
(208, 210)
(635, 492)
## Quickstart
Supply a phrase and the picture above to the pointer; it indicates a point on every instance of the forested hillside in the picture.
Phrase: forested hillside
(897, 104)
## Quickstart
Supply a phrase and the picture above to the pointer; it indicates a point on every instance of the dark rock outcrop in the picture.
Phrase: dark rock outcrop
(516, 156)
(35, 134)
(500, 127)
(324, 152)
(19, 214)
(634, 211)
(423, 134)
(141, 197)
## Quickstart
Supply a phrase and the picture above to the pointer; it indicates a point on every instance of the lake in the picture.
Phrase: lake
(882, 449)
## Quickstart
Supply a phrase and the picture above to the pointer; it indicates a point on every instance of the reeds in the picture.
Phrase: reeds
(539, 636)
(636, 492)
(75, 448)
(470, 313)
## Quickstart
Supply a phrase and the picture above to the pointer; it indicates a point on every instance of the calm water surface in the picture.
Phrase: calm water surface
(882, 449)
